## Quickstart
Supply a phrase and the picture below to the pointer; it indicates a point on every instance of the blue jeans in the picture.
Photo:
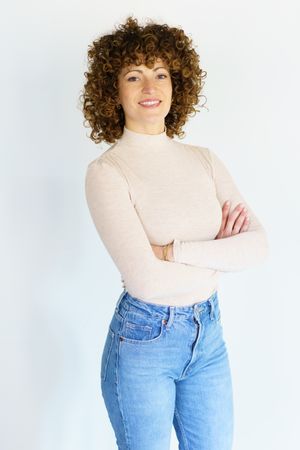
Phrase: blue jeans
(167, 365)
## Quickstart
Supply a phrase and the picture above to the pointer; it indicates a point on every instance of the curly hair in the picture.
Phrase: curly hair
(134, 44)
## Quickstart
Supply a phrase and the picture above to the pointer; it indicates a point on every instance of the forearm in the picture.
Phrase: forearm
(228, 254)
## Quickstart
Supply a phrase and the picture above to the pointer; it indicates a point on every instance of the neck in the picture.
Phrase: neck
(145, 140)
(148, 128)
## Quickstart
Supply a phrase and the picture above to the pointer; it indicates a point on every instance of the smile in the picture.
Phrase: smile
(150, 103)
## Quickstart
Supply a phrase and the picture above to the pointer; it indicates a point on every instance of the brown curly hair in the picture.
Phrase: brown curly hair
(134, 44)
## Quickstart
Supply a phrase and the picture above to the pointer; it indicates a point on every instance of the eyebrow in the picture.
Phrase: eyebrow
(138, 70)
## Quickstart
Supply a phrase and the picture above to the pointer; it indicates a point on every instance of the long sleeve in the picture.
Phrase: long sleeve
(123, 235)
(232, 253)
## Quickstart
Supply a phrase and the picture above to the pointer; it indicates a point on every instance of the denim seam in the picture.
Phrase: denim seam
(180, 424)
(106, 362)
(119, 398)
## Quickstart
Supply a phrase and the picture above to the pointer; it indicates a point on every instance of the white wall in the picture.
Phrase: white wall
(59, 286)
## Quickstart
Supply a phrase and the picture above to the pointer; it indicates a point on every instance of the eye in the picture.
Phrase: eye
(130, 78)
(159, 75)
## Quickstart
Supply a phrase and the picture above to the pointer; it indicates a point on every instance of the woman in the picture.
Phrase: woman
(159, 208)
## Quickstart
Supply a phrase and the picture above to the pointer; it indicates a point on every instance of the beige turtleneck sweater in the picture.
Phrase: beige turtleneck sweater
(150, 189)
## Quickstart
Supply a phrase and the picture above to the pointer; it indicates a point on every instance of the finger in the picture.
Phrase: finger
(239, 222)
(225, 212)
(246, 223)
(232, 218)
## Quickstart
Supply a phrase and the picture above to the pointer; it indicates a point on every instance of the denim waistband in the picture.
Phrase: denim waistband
(209, 304)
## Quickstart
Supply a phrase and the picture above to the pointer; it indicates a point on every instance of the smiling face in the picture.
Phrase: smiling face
(136, 85)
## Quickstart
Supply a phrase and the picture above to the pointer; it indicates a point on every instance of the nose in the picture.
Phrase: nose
(148, 87)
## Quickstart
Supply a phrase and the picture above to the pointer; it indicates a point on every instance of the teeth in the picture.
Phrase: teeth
(149, 103)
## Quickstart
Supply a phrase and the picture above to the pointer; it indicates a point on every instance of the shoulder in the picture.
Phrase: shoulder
(104, 179)
(203, 154)
(102, 159)
(105, 165)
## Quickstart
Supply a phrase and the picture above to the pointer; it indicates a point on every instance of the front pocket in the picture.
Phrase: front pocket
(138, 333)
(106, 353)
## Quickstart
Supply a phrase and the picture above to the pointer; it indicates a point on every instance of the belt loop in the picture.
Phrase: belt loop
(211, 302)
(196, 312)
(171, 316)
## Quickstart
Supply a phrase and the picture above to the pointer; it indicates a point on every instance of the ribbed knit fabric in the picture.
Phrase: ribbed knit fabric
(151, 189)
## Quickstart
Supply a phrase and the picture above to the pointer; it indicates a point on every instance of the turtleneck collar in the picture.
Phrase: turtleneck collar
(134, 138)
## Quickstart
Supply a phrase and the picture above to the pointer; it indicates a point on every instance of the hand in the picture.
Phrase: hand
(233, 223)
(158, 251)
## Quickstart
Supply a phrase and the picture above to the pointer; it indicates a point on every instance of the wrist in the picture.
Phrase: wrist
(168, 252)
(170, 255)
(164, 255)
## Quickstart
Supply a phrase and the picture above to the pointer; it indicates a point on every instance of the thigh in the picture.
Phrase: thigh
(138, 393)
(203, 417)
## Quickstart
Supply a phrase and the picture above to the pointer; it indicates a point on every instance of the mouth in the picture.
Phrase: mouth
(150, 103)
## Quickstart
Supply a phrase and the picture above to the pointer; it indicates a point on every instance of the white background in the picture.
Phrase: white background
(58, 284)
